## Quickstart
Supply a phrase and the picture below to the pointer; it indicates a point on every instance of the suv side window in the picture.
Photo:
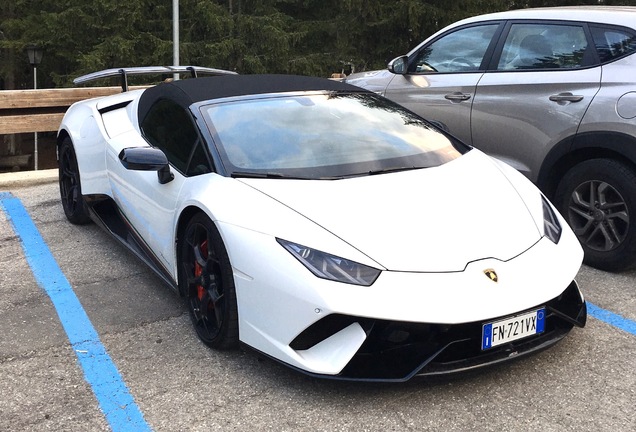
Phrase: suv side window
(169, 127)
(544, 46)
(460, 51)
(613, 43)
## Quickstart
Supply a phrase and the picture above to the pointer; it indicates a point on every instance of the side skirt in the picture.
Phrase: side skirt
(105, 213)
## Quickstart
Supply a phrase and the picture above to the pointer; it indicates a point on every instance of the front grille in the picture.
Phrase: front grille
(396, 351)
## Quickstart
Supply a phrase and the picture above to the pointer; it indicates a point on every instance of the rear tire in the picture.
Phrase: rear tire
(73, 203)
(598, 199)
(206, 279)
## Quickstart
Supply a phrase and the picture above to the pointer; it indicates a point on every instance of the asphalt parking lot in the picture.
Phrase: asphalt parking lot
(175, 383)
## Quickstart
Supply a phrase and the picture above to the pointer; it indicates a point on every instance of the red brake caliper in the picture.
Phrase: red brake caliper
(198, 269)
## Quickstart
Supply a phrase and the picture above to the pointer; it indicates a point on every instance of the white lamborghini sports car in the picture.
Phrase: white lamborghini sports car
(323, 225)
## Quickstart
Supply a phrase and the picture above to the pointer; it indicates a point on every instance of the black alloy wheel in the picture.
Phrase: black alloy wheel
(598, 198)
(207, 282)
(73, 202)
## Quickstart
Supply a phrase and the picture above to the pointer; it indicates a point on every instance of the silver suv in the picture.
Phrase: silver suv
(552, 92)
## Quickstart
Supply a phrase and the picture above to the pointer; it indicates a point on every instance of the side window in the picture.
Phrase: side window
(612, 43)
(169, 127)
(460, 51)
(199, 163)
(544, 46)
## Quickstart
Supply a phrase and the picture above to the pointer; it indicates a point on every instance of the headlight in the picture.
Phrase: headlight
(331, 267)
(551, 226)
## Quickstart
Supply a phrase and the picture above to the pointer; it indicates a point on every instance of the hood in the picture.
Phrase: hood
(428, 220)
(375, 81)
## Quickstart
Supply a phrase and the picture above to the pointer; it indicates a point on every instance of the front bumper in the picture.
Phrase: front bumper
(397, 351)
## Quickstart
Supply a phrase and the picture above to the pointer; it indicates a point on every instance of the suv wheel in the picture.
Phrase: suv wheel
(598, 199)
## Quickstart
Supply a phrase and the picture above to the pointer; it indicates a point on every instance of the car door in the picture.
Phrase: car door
(149, 205)
(443, 74)
(535, 93)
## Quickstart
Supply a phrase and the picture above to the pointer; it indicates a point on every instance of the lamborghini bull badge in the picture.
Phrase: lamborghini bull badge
(492, 274)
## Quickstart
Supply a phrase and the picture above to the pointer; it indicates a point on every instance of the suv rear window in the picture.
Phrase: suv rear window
(544, 46)
(613, 43)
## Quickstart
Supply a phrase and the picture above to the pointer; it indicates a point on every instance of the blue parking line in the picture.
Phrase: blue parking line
(611, 318)
(100, 372)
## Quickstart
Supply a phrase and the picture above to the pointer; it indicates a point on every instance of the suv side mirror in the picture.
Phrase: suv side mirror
(147, 159)
(399, 65)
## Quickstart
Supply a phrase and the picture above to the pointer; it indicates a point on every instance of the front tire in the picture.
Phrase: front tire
(206, 279)
(73, 203)
(598, 199)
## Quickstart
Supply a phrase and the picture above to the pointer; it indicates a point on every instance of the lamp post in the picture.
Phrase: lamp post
(35, 57)
(175, 36)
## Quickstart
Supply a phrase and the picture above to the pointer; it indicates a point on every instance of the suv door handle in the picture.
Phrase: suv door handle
(566, 97)
(457, 96)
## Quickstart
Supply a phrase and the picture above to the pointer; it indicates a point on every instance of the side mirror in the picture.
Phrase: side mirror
(147, 159)
(399, 65)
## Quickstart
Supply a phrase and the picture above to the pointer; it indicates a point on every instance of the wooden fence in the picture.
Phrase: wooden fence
(29, 111)
(23, 111)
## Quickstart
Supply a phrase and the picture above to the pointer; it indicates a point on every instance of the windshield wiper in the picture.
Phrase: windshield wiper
(266, 175)
(277, 175)
(393, 169)
(381, 171)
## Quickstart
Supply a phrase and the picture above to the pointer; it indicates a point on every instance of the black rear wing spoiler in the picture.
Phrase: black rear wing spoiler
(123, 73)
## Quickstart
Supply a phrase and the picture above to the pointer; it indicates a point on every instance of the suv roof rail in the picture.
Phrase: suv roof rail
(194, 72)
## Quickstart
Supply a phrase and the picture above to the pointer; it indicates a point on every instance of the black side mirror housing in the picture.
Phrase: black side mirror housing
(147, 159)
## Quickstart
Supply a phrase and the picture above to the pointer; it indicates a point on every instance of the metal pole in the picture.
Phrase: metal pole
(35, 138)
(175, 36)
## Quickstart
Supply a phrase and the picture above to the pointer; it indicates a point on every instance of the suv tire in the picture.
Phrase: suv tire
(597, 197)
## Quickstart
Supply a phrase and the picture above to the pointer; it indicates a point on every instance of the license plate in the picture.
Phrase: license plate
(513, 328)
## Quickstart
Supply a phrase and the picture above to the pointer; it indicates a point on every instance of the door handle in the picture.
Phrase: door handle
(566, 97)
(457, 97)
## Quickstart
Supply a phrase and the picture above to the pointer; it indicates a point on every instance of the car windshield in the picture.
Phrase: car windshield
(323, 136)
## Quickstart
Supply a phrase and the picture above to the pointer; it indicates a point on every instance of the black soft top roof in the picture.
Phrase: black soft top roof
(188, 91)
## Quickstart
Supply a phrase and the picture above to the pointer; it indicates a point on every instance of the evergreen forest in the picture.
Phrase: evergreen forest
(307, 37)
